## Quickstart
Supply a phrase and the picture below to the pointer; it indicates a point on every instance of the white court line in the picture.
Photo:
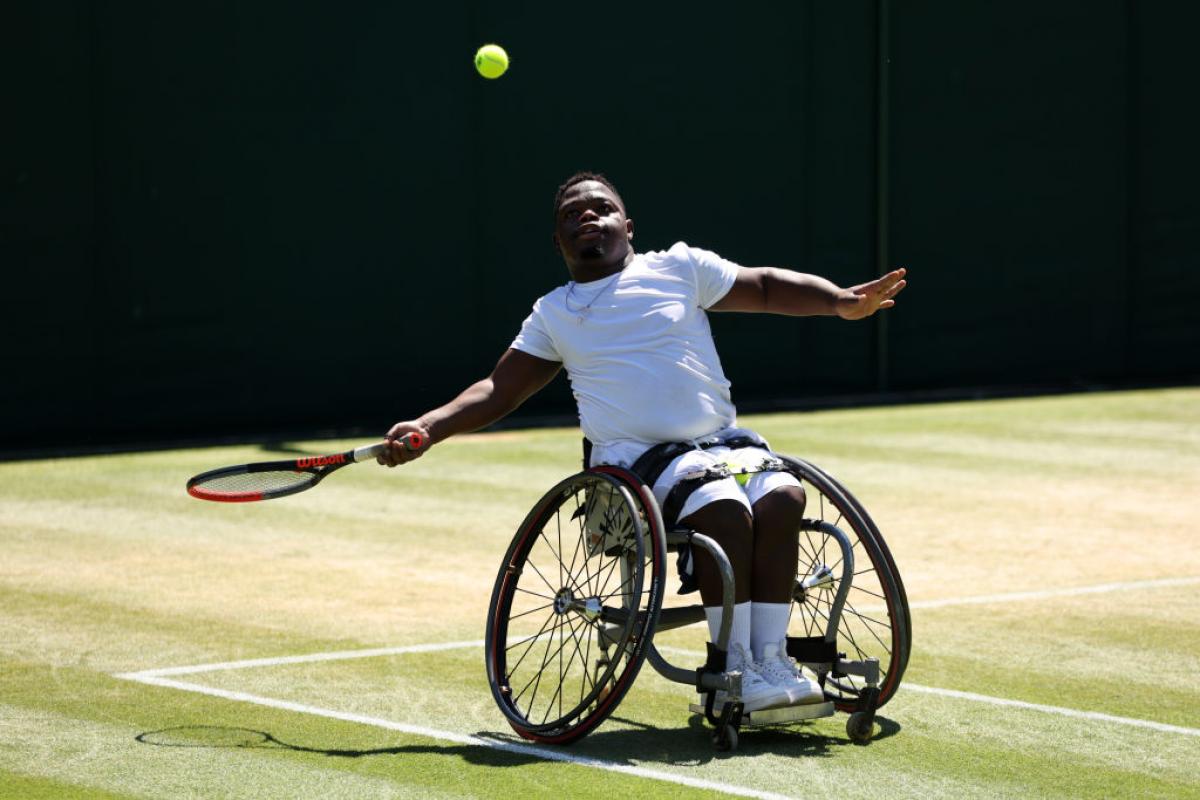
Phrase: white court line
(1066, 712)
(337, 655)
(1068, 592)
(449, 736)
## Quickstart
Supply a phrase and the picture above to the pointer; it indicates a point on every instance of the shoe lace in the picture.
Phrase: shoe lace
(739, 659)
(781, 666)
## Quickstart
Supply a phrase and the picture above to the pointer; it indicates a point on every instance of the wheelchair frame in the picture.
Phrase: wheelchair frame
(844, 562)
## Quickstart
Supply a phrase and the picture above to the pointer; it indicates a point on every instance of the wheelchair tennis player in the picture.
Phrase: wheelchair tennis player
(633, 333)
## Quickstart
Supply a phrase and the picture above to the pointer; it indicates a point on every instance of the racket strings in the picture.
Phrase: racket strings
(253, 482)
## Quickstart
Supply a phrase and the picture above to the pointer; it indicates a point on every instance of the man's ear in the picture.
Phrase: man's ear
(629, 230)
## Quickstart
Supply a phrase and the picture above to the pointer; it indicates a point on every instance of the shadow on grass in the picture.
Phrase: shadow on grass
(219, 736)
(689, 745)
(692, 744)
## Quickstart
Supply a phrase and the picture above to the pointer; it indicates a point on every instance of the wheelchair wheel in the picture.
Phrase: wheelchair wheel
(882, 545)
(875, 620)
(574, 607)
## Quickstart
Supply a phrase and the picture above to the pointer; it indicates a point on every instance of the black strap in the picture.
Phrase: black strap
(681, 491)
(650, 464)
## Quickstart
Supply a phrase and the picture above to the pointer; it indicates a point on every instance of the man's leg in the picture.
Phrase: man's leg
(720, 510)
(777, 516)
(730, 525)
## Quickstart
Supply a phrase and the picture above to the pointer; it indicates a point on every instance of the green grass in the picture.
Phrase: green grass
(108, 567)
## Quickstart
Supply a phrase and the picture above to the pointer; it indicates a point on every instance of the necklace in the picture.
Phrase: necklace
(583, 311)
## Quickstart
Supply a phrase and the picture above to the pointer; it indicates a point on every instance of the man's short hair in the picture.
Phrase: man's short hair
(580, 177)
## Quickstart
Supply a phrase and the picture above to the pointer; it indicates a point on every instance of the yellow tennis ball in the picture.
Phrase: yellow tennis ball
(491, 61)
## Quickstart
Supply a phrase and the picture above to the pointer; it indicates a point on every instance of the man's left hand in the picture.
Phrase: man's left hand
(863, 300)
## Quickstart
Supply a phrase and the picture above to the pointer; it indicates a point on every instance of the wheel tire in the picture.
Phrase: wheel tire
(559, 604)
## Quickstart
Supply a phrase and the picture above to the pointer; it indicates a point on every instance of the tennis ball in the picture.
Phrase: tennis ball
(491, 61)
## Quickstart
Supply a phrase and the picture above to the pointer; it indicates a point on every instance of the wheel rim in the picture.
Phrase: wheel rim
(557, 605)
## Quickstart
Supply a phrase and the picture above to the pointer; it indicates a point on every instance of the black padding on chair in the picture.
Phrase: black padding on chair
(714, 664)
(812, 649)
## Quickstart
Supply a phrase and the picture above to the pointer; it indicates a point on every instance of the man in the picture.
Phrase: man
(633, 333)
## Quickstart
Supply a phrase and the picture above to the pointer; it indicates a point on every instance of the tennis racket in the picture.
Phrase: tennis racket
(266, 480)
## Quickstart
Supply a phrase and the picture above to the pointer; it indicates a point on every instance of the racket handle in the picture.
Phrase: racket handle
(413, 441)
(368, 451)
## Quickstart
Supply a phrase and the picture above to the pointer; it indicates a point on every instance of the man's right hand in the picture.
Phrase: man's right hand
(398, 450)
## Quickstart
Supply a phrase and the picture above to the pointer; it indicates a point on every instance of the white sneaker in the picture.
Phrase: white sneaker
(757, 692)
(778, 668)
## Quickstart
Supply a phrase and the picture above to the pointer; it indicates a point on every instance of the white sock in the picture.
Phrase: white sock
(768, 624)
(739, 633)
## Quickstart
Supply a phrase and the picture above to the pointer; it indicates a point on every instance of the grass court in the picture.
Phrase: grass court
(329, 644)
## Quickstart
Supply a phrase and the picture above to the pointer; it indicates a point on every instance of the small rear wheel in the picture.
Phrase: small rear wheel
(574, 607)
(726, 739)
(860, 727)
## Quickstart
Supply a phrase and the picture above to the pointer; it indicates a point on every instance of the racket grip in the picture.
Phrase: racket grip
(413, 441)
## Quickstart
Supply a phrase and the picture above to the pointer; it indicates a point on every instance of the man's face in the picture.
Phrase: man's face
(590, 225)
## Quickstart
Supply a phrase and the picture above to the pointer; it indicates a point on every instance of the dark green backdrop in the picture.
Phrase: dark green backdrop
(227, 218)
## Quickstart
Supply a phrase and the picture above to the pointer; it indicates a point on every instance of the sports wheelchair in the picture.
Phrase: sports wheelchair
(573, 614)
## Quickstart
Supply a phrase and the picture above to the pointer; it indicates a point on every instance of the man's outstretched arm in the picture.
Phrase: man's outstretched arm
(517, 375)
(781, 291)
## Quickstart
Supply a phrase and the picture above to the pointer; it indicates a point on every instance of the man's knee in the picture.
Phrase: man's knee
(722, 519)
(780, 509)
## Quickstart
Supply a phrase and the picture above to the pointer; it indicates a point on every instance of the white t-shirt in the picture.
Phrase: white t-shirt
(638, 348)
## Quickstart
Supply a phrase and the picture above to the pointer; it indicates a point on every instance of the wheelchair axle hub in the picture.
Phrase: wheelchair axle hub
(820, 578)
(589, 607)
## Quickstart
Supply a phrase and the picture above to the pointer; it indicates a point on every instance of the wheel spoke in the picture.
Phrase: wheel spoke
(535, 594)
(543, 577)
(532, 641)
(530, 611)
(536, 680)
(877, 595)
(579, 541)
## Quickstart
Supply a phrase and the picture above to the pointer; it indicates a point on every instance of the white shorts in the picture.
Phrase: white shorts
(756, 486)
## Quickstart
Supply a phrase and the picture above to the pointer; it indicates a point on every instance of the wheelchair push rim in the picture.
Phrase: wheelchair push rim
(573, 608)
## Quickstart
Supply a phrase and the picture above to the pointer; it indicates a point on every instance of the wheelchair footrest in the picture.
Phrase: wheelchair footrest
(778, 716)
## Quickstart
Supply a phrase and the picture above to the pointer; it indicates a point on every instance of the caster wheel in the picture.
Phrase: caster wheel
(727, 740)
(860, 727)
